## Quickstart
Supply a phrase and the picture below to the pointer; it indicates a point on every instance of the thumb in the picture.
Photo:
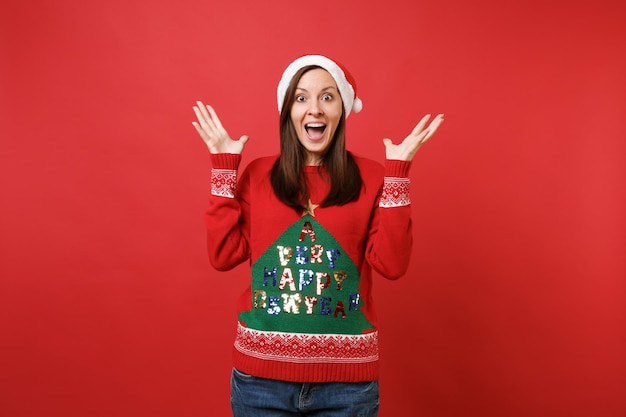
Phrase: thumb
(244, 139)
(387, 142)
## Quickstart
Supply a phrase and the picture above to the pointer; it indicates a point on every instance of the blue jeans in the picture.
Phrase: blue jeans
(259, 397)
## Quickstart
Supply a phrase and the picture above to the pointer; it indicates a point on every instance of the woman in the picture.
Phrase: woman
(313, 222)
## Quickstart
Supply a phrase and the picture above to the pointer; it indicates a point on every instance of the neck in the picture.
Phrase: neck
(312, 160)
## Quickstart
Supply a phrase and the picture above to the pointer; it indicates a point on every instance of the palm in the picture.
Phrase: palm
(213, 133)
(406, 150)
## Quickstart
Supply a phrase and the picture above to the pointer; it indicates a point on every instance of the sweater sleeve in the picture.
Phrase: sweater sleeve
(390, 238)
(227, 219)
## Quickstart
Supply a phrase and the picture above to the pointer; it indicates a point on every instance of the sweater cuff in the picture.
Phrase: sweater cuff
(396, 185)
(224, 174)
(229, 161)
(397, 169)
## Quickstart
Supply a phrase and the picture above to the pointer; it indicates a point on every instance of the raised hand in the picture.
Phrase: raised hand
(406, 150)
(213, 133)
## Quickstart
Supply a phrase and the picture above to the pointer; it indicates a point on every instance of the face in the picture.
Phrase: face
(316, 112)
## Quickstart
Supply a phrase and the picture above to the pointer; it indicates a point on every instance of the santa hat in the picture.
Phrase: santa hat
(345, 81)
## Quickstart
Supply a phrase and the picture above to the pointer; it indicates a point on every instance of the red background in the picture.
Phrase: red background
(514, 304)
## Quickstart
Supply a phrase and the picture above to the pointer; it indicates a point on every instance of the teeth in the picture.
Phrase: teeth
(315, 125)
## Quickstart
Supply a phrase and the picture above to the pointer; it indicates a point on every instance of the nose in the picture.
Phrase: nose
(315, 108)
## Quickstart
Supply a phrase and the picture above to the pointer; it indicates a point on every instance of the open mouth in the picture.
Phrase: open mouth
(315, 130)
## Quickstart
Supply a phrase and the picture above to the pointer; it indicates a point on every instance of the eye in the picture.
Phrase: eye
(300, 98)
(327, 97)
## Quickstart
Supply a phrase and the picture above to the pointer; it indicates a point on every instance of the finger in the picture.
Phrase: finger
(199, 109)
(206, 117)
(200, 131)
(436, 122)
(202, 119)
(432, 127)
(420, 126)
(416, 137)
(214, 118)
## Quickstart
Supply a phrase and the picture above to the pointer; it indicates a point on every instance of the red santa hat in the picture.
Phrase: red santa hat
(345, 81)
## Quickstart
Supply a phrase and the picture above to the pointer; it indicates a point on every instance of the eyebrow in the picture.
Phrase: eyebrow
(330, 87)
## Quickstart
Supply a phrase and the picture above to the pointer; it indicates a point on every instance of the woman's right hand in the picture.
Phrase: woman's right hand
(213, 133)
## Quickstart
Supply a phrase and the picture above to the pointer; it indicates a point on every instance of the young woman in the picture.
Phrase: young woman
(312, 222)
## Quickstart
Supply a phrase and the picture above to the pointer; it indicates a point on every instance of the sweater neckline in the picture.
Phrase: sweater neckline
(314, 168)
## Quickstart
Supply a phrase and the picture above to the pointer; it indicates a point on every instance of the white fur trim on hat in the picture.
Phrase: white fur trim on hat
(348, 94)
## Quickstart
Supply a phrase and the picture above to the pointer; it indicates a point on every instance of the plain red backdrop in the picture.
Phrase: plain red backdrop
(514, 304)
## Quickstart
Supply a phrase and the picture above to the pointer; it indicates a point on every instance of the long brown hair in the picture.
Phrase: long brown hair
(287, 175)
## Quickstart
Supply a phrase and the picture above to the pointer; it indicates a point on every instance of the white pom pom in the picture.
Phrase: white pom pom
(357, 105)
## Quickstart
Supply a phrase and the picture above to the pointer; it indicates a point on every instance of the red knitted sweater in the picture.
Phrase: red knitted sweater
(307, 314)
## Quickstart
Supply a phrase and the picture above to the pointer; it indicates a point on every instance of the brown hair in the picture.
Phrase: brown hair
(287, 174)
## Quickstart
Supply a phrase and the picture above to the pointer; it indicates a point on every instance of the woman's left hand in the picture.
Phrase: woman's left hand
(406, 150)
